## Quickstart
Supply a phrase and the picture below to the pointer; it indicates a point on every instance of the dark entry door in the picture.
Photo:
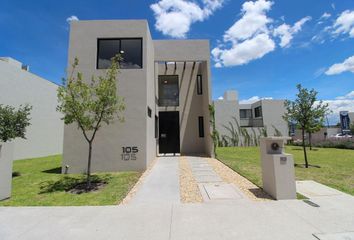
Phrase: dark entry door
(169, 132)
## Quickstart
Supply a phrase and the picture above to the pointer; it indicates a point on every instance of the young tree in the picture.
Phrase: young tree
(13, 123)
(305, 110)
(90, 104)
(313, 127)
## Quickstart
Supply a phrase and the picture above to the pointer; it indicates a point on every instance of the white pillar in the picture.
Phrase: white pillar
(6, 159)
(278, 173)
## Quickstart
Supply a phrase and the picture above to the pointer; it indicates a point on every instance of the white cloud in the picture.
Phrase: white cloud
(254, 99)
(250, 37)
(72, 18)
(333, 6)
(244, 52)
(349, 95)
(325, 15)
(344, 24)
(340, 103)
(347, 65)
(287, 32)
(254, 20)
(175, 17)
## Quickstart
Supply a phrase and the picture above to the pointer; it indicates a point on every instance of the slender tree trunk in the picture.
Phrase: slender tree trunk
(304, 147)
(310, 140)
(88, 180)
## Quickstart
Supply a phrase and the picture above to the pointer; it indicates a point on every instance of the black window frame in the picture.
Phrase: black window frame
(160, 104)
(199, 84)
(247, 111)
(201, 126)
(120, 47)
(260, 112)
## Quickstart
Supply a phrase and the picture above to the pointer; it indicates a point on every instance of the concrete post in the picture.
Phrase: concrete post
(278, 172)
(6, 159)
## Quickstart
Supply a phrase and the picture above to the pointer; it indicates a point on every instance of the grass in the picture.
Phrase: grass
(39, 182)
(336, 166)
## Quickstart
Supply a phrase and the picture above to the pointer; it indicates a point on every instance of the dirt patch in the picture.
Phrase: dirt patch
(81, 187)
(189, 191)
(230, 176)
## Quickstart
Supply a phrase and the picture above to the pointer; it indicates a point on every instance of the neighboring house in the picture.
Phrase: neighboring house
(166, 87)
(18, 87)
(351, 117)
(256, 118)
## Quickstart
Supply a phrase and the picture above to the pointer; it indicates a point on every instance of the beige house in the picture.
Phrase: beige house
(18, 86)
(255, 118)
(166, 87)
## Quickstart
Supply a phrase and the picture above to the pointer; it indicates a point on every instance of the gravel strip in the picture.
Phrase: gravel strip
(189, 190)
(230, 176)
(133, 191)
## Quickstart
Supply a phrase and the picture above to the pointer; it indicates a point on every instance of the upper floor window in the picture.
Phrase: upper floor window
(168, 90)
(129, 48)
(245, 113)
(258, 112)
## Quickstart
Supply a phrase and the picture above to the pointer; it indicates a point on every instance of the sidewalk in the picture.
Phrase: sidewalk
(155, 212)
(289, 219)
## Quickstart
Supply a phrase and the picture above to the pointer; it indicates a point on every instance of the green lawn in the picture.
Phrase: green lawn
(336, 165)
(41, 184)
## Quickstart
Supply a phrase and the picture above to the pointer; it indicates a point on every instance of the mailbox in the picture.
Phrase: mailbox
(6, 157)
(278, 172)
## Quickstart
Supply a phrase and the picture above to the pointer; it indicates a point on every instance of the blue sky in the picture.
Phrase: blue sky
(260, 48)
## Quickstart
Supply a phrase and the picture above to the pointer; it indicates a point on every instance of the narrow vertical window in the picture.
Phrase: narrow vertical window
(199, 85)
(156, 126)
(149, 112)
(201, 126)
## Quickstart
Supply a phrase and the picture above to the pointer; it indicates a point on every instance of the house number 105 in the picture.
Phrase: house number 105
(129, 153)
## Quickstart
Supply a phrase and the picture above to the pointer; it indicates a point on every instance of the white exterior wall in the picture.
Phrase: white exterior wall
(45, 135)
(228, 110)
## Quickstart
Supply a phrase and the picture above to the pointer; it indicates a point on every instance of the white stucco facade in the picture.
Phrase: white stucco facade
(18, 87)
(263, 115)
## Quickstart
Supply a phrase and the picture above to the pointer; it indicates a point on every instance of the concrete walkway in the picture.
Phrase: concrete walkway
(273, 220)
(161, 185)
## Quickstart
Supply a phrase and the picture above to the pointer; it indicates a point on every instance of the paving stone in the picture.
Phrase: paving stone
(208, 179)
(335, 236)
(204, 172)
(221, 191)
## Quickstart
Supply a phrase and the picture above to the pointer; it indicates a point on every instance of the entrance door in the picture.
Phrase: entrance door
(169, 132)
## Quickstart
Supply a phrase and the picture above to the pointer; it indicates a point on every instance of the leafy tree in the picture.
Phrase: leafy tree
(305, 110)
(13, 123)
(313, 127)
(90, 104)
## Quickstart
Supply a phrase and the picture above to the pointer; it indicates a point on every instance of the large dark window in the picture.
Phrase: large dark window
(130, 50)
(201, 126)
(245, 113)
(168, 90)
(199, 85)
(258, 112)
